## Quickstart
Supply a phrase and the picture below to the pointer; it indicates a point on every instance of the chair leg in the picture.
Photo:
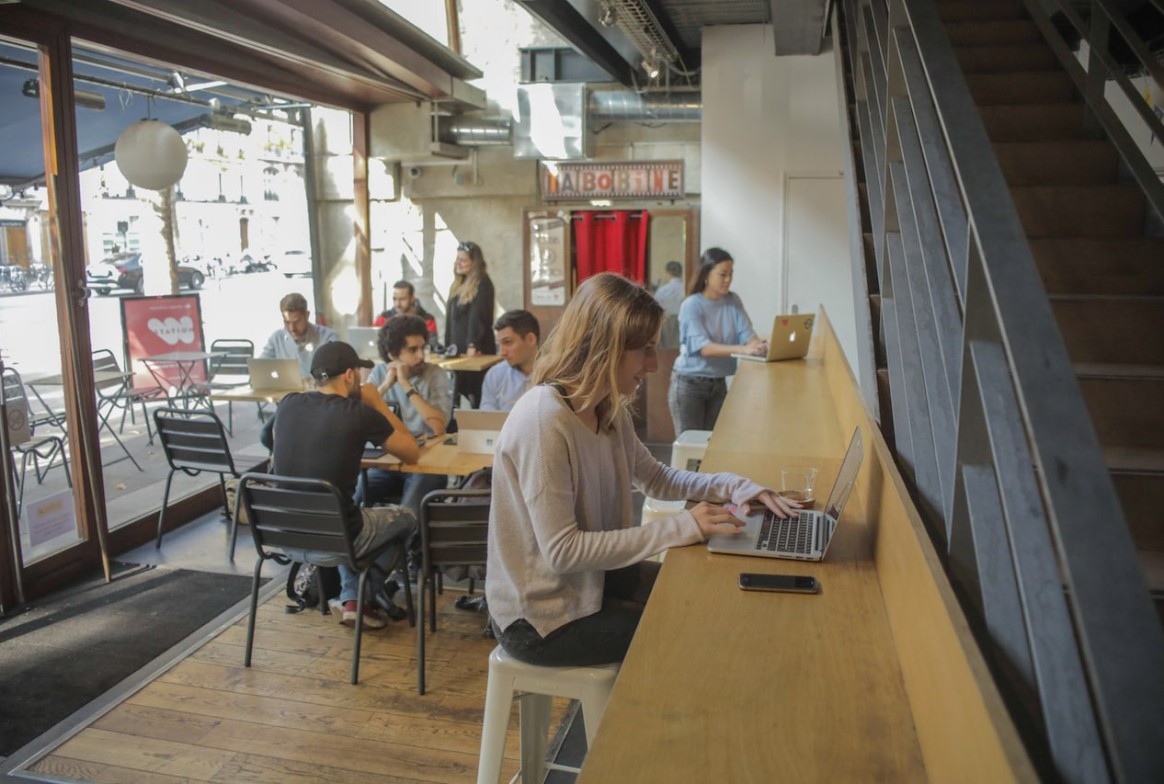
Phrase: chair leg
(254, 611)
(535, 727)
(420, 588)
(495, 726)
(359, 626)
(165, 502)
(432, 604)
(408, 600)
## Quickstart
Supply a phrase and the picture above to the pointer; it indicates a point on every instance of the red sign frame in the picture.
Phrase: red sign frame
(157, 325)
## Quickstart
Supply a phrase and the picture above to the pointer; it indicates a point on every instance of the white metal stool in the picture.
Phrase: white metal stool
(536, 687)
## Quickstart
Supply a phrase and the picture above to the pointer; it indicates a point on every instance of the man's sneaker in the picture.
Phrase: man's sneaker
(372, 617)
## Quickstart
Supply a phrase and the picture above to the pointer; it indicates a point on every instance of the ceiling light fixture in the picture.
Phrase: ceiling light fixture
(607, 16)
(651, 65)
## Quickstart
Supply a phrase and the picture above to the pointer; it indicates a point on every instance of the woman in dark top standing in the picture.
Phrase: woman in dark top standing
(469, 321)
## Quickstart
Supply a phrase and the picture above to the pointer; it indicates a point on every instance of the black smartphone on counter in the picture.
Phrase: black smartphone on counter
(791, 583)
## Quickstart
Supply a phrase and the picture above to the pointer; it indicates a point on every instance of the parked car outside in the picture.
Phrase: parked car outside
(294, 262)
(123, 271)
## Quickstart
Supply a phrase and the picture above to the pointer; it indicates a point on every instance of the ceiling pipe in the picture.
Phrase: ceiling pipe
(605, 106)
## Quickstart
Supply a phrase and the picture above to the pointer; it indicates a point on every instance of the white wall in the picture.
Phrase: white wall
(767, 120)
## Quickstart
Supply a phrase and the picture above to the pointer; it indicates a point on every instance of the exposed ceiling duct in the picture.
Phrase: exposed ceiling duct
(603, 107)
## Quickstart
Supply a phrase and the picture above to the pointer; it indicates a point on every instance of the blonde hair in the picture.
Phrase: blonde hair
(608, 316)
(465, 287)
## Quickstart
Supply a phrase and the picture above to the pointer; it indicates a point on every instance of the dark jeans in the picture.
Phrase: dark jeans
(408, 490)
(601, 638)
(695, 401)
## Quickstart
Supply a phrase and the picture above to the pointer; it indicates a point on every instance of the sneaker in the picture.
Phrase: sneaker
(372, 617)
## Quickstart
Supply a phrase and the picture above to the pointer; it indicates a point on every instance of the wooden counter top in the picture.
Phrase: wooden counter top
(723, 685)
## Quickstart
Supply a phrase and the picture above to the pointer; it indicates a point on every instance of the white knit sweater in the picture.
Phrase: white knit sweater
(561, 511)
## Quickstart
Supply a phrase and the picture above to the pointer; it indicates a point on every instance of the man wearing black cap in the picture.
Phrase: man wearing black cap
(322, 434)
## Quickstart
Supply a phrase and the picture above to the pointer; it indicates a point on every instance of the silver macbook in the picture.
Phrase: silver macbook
(477, 431)
(805, 537)
(366, 342)
(790, 337)
(271, 374)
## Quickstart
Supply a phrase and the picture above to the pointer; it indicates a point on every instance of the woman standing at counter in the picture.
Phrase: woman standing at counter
(712, 326)
(469, 321)
(568, 578)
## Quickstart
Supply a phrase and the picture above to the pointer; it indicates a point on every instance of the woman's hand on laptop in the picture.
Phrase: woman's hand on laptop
(755, 346)
(784, 507)
(715, 519)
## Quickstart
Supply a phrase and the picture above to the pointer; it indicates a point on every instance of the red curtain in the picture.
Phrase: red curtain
(611, 241)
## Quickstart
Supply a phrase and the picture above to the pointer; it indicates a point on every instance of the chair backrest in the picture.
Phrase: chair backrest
(454, 526)
(16, 408)
(235, 352)
(105, 361)
(194, 440)
(294, 515)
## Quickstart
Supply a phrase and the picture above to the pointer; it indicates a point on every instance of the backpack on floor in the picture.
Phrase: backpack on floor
(303, 588)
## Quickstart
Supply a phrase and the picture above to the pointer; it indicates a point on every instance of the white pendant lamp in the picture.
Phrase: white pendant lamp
(151, 154)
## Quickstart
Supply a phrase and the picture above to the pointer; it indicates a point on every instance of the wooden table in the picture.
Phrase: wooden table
(248, 394)
(436, 457)
(476, 362)
(877, 678)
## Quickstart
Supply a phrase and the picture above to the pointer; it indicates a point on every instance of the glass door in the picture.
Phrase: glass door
(47, 535)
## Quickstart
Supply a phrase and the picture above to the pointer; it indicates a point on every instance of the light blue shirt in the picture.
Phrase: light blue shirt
(432, 383)
(703, 321)
(282, 346)
(670, 295)
(502, 386)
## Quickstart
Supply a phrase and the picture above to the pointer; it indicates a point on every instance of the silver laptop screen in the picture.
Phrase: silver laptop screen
(846, 478)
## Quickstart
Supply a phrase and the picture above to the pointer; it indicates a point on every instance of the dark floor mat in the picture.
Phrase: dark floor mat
(64, 650)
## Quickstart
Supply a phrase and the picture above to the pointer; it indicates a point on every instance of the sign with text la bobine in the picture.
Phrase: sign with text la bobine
(612, 180)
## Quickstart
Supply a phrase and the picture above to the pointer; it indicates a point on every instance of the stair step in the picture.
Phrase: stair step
(1065, 162)
(985, 33)
(1127, 266)
(1126, 411)
(1134, 461)
(1080, 210)
(1109, 370)
(1033, 123)
(1142, 498)
(1021, 87)
(1152, 562)
(983, 10)
(1005, 57)
(1112, 330)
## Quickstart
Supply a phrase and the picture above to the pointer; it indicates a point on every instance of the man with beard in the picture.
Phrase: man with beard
(321, 435)
(299, 338)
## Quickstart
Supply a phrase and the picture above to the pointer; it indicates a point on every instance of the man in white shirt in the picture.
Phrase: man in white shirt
(517, 334)
(670, 295)
(299, 338)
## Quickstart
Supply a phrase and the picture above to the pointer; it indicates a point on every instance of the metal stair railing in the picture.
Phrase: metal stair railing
(988, 421)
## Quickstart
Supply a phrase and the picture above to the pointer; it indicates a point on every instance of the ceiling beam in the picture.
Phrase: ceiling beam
(563, 19)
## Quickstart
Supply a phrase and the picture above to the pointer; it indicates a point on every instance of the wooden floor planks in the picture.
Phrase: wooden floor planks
(293, 716)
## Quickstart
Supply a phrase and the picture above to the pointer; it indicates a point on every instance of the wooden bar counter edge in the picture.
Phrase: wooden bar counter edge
(876, 678)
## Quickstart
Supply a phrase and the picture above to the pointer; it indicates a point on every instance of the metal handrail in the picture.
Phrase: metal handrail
(1115, 129)
(1022, 500)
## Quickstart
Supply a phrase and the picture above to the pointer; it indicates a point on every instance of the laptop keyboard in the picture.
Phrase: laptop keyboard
(786, 534)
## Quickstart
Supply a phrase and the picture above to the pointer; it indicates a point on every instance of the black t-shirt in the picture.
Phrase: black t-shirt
(320, 436)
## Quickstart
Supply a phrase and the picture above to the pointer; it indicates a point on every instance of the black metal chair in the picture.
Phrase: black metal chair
(193, 442)
(453, 531)
(230, 370)
(117, 392)
(24, 441)
(304, 519)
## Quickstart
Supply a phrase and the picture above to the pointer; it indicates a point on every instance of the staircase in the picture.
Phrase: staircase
(1104, 275)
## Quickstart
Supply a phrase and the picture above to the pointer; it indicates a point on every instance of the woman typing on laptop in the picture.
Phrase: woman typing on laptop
(712, 326)
(568, 578)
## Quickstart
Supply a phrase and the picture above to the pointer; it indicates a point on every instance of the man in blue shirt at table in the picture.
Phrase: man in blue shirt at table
(299, 338)
(518, 334)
